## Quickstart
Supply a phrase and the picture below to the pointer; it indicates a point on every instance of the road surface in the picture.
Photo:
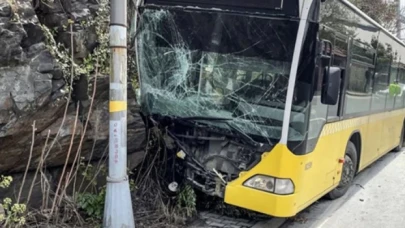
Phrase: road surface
(376, 200)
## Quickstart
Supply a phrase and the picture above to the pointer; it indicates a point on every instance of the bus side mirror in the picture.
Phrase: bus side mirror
(331, 85)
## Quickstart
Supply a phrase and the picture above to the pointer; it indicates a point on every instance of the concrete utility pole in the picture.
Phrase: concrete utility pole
(118, 211)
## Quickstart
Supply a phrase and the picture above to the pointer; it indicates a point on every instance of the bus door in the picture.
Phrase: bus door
(383, 102)
(339, 59)
(358, 93)
(392, 126)
(330, 113)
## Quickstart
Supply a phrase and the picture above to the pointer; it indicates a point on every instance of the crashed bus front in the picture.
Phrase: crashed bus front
(215, 77)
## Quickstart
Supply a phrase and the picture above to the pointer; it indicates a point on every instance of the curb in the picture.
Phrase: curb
(212, 220)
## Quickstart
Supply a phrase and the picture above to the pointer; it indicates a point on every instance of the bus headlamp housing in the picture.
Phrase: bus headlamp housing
(271, 184)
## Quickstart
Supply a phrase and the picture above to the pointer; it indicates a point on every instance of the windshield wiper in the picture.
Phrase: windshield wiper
(202, 118)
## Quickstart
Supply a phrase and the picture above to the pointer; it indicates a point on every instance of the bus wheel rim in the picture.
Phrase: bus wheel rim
(347, 172)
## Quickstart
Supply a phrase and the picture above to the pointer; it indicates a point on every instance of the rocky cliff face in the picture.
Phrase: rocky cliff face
(34, 85)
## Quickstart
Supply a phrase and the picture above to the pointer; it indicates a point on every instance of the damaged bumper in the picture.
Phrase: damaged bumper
(220, 167)
(278, 205)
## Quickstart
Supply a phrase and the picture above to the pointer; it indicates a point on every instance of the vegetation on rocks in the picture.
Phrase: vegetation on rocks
(100, 57)
(11, 214)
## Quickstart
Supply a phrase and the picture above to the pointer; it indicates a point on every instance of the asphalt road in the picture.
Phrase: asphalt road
(376, 200)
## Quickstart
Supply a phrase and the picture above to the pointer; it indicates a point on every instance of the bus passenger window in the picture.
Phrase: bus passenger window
(399, 101)
(392, 95)
(381, 76)
(358, 92)
(358, 96)
(340, 51)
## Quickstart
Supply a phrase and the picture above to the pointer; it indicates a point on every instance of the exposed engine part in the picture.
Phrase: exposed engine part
(174, 186)
(181, 154)
(210, 159)
(219, 175)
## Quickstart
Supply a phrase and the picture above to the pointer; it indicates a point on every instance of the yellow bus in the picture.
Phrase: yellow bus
(270, 105)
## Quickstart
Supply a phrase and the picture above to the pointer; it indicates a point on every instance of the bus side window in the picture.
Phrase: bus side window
(401, 80)
(398, 102)
(382, 74)
(358, 91)
(394, 97)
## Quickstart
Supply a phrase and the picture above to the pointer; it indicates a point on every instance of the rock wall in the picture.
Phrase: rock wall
(33, 86)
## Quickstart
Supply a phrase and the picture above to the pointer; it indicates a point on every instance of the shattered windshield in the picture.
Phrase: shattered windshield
(212, 64)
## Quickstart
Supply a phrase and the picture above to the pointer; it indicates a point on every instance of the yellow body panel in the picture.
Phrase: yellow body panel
(316, 173)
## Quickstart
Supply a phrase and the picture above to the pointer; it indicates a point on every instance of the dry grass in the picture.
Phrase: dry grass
(154, 206)
(58, 208)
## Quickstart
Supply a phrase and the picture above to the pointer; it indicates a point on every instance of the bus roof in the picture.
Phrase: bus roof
(272, 7)
(369, 19)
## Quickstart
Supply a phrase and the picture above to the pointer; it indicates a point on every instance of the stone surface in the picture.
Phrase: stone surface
(33, 88)
(26, 67)
(55, 14)
(49, 119)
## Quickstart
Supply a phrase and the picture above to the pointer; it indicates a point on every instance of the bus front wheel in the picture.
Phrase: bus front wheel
(348, 172)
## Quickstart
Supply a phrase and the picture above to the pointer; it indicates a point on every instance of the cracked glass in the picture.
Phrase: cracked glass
(217, 65)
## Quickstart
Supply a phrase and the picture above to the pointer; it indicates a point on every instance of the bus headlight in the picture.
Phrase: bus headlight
(271, 184)
(261, 183)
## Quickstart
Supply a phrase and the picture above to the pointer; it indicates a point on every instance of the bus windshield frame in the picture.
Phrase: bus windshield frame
(270, 7)
(216, 64)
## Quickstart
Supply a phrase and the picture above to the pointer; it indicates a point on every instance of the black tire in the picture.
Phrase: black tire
(401, 142)
(348, 172)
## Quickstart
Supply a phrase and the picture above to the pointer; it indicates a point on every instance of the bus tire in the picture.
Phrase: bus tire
(348, 172)
(401, 141)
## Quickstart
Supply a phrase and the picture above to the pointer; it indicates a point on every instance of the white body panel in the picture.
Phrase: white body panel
(306, 5)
